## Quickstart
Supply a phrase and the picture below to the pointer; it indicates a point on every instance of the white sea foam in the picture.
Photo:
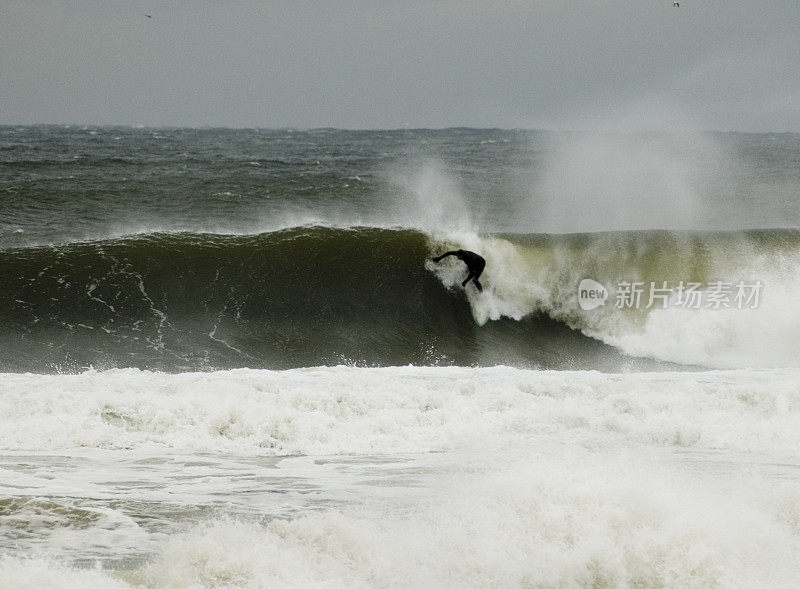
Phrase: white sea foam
(768, 336)
(556, 523)
(519, 478)
(577, 520)
(25, 573)
(345, 410)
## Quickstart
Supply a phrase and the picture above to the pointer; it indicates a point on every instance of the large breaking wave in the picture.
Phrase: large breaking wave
(308, 296)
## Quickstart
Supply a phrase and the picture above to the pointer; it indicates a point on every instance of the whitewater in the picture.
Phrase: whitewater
(416, 475)
(227, 360)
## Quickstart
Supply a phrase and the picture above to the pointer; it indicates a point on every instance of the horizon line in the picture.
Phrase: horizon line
(290, 128)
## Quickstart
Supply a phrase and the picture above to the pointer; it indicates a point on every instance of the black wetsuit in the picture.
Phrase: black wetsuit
(475, 265)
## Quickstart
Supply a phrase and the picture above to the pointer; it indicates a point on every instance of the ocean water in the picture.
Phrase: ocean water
(227, 359)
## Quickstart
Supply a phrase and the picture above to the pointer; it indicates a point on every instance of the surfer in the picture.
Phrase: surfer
(475, 265)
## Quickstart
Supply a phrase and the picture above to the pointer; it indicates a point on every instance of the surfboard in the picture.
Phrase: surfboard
(479, 305)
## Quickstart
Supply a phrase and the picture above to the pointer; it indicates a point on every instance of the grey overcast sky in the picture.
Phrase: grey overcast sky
(722, 64)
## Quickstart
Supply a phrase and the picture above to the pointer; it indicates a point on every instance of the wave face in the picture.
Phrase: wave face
(282, 299)
(316, 295)
(298, 297)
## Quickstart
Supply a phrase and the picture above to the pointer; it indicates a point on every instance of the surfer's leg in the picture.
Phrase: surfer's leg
(464, 284)
(478, 270)
(477, 284)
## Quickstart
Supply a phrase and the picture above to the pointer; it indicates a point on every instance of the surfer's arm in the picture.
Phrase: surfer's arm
(444, 255)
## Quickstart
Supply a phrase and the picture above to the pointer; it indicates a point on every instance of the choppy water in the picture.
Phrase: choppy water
(244, 370)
